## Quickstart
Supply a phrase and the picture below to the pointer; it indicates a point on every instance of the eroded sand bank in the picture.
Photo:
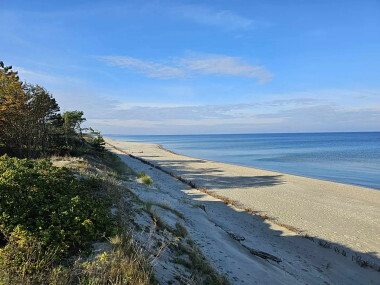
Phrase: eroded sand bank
(345, 216)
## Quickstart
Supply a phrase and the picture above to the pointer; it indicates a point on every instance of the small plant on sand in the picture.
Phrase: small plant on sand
(145, 178)
(198, 265)
(141, 174)
(180, 230)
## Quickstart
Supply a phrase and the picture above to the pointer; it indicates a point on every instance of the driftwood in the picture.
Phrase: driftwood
(263, 254)
(258, 253)
(235, 236)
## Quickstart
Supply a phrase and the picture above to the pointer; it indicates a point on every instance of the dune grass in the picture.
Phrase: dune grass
(146, 179)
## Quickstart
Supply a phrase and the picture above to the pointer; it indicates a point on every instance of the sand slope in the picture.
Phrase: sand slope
(345, 216)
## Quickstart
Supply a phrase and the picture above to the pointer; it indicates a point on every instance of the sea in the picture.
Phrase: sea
(350, 158)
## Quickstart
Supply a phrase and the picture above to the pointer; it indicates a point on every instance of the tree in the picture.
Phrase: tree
(97, 140)
(26, 115)
(13, 110)
(72, 121)
(30, 122)
(42, 110)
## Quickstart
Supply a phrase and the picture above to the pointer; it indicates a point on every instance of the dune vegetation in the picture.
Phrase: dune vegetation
(51, 216)
(66, 214)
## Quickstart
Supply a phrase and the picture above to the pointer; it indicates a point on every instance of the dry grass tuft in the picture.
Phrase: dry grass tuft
(180, 230)
(202, 271)
(125, 264)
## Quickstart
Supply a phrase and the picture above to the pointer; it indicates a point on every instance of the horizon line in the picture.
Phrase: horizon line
(269, 133)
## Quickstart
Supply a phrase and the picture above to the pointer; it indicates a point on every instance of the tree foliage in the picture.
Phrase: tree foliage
(72, 121)
(13, 109)
(97, 140)
(30, 122)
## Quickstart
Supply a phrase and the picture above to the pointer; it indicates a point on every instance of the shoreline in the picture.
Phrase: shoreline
(239, 243)
(336, 175)
(160, 146)
(349, 214)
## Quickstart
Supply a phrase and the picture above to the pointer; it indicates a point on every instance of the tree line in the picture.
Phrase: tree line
(31, 124)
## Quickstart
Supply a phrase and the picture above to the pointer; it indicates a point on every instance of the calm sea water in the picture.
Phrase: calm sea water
(351, 158)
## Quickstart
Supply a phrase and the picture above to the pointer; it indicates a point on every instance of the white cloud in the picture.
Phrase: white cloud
(316, 118)
(45, 79)
(225, 65)
(188, 123)
(207, 16)
(294, 114)
(149, 68)
(37, 77)
(209, 64)
(319, 110)
(131, 105)
(176, 113)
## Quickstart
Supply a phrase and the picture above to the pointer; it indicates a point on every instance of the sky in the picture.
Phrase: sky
(202, 67)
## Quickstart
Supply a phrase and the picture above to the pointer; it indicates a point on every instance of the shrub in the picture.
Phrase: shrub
(51, 204)
(145, 178)
(141, 174)
(23, 260)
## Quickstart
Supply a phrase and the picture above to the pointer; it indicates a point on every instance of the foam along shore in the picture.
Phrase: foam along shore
(342, 219)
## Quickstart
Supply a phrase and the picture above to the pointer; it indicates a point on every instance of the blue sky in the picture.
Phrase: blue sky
(188, 67)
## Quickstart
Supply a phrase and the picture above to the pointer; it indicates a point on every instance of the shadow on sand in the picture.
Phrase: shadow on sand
(214, 177)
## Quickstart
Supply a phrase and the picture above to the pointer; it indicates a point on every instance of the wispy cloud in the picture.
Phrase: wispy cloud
(44, 78)
(208, 16)
(205, 119)
(36, 77)
(149, 68)
(225, 65)
(209, 64)
(297, 114)
(349, 110)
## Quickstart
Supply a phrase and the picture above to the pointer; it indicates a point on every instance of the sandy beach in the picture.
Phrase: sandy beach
(344, 219)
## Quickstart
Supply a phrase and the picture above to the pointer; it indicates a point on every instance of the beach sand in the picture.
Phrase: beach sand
(345, 219)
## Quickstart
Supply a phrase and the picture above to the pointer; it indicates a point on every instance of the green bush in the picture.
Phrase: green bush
(23, 260)
(141, 174)
(146, 179)
(50, 204)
